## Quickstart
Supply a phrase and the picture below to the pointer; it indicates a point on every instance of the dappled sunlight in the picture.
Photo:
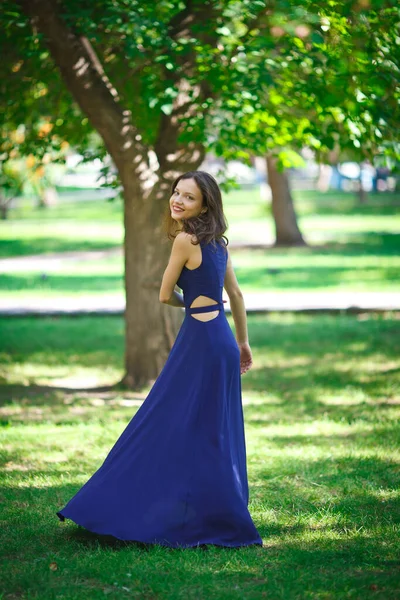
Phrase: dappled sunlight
(254, 399)
(68, 375)
(322, 440)
(69, 406)
(276, 359)
(386, 495)
(59, 229)
(357, 397)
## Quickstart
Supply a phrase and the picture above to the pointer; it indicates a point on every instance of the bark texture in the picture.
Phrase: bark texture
(287, 231)
(151, 327)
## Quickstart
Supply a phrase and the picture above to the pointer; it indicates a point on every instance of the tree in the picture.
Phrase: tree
(156, 80)
(332, 85)
(287, 231)
(144, 75)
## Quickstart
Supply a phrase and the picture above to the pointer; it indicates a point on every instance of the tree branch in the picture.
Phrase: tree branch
(260, 21)
(187, 103)
(85, 78)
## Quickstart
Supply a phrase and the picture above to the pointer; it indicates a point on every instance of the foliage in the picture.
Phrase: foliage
(257, 76)
(330, 81)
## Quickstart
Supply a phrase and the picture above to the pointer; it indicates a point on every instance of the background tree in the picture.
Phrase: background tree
(144, 76)
(332, 85)
(160, 83)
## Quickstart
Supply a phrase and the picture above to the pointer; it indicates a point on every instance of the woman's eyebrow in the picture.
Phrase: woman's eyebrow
(189, 193)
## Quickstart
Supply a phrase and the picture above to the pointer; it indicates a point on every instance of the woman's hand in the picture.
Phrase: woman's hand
(246, 358)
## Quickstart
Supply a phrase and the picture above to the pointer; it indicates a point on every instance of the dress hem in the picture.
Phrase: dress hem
(167, 545)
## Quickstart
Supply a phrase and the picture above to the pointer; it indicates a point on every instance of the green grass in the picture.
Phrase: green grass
(353, 247)
(99, 224)
(369, 263)
(321, 409)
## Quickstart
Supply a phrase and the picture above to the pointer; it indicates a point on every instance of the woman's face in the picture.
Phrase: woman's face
(186, 200)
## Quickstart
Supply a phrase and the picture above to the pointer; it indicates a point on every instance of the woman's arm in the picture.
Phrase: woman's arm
(180, 253)
(238, 309)
(236, 302)
(176, 299)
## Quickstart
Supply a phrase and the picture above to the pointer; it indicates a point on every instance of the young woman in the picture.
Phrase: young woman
(177, 475)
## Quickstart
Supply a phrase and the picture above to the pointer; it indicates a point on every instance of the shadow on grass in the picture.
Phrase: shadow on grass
(338, 203)
(25, 247)
(326, 503)
(309, 275)
(339, 367)
(63, 283)
(348, 499)
(85, 341)
(369, 243)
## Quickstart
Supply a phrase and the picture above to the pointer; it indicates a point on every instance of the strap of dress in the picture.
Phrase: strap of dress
(203, 309)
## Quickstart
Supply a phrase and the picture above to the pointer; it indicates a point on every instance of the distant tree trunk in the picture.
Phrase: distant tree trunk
(362, 195)
(361, 192)
(286, 229)
(48, 197)
(41, 201)
(324, 177)
(4, 206)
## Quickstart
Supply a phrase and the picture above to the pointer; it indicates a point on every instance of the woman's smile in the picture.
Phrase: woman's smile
(186, 198)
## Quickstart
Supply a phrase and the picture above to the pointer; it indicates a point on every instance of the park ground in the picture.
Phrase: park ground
(321, 407)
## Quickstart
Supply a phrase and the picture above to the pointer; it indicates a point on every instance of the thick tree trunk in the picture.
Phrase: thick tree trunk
(150, 326)
(286, 229)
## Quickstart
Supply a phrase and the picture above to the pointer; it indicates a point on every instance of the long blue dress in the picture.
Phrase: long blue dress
(177, 475)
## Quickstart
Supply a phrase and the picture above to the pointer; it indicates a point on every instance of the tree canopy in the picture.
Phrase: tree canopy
(268, 74)
(159, 83)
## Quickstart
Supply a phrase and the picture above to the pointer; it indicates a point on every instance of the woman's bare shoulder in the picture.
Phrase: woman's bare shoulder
(186, 238)
(182, 237)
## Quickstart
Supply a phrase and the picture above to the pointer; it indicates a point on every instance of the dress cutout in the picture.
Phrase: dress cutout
(177, 474)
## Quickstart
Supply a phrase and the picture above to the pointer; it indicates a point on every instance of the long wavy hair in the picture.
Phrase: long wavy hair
(209, 226)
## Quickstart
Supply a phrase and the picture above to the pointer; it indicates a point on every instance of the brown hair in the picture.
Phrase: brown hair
(208, 226)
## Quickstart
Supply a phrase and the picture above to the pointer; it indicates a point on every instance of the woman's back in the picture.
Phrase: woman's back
(203, 286)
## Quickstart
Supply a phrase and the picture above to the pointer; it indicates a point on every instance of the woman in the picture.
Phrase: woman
(177, 474)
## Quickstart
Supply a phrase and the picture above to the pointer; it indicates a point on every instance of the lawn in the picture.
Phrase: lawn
(322, 408)
(353, 247)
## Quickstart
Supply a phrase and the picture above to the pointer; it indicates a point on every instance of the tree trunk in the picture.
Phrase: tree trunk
(286, 228)
(361, 192)
(362, 195)
(150, 326)
(4, 206)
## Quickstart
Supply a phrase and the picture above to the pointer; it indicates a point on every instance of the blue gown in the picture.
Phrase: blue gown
(177, 475)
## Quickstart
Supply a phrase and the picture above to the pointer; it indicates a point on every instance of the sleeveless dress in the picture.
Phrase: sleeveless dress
(177, 475)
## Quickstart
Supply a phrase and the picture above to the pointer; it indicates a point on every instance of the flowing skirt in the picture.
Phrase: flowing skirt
(177, 474)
